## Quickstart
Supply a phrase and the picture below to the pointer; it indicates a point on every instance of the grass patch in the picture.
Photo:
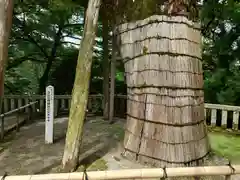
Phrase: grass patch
(226, 145)
(98, 165)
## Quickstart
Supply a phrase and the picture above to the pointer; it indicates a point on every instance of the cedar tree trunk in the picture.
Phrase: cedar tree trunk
(81, 89)
(6, 8)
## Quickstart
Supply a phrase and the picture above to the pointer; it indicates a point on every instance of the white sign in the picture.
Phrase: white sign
(49, 114)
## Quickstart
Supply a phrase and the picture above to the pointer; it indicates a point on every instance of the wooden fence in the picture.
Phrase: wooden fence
(216, 114)
(15, 122)
(159, 173)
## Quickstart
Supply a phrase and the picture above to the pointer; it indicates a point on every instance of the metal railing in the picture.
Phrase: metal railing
(18, 113)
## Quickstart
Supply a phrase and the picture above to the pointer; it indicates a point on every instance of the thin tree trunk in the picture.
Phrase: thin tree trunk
(81, 89)
(85, 13)
(162, 56)
(44, 79)
(113, 74)
(105, 66)
(6, 8)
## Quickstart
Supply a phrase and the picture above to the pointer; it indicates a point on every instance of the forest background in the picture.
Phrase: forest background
(45, 38)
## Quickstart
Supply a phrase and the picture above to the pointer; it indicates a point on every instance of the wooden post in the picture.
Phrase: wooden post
(41, 106)
(26, 102)
(34, 105)
(56, 107)
(213, 116)
(235, 120)
(62, 101)
(49, 115)
(12, 104)
(18, 117)
(2, 127)
(224, 118)
(5, 104)
(19, 102)
(29, 113)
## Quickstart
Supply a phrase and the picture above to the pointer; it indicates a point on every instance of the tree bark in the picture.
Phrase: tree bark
(162, 56)
(105, 65)
(81, 89)
(6, 8)
(113, 74)
(44, 79)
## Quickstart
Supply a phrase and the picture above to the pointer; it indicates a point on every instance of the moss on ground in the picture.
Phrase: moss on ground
(225, 145)
(223, 129)
(98, 165)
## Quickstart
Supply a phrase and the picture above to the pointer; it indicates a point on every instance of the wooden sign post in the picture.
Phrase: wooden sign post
(49, 114)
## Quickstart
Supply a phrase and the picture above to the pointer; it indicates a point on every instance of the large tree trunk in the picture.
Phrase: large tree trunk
(6, 8)
(165, 106)
(105, 64)
(81, 89)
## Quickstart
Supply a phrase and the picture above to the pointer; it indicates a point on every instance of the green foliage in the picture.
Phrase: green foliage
(221, 23)
(43, 33)
(38, 39)
(33, 45)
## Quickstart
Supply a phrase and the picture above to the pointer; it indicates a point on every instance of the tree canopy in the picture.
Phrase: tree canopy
(46, 35)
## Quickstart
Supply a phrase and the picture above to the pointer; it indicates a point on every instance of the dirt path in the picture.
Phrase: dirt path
(26, 152)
